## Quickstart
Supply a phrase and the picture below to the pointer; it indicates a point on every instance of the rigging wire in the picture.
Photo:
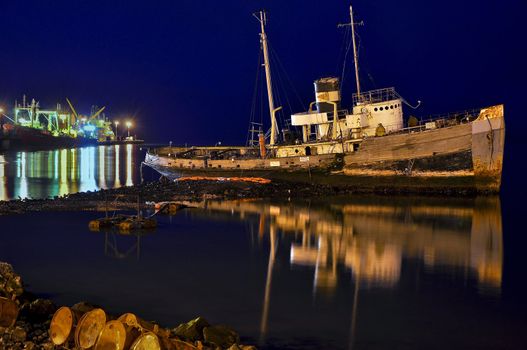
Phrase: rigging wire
(288, 78)
(345, 62)
(342, 50)
(279, 82)
(254, 101)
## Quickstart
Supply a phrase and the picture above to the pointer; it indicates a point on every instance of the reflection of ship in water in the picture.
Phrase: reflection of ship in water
(121, 245)
(373, 237)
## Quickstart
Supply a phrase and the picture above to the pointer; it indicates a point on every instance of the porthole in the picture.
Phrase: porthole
(391, 107)
(381, 108)
(296, 150)
(376, 109)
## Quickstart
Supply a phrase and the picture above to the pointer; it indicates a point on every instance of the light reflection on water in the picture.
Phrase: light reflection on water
(46, 174)
(371, 242)
(361, 272)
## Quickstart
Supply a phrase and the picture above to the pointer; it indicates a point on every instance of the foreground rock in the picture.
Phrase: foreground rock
(29, 329)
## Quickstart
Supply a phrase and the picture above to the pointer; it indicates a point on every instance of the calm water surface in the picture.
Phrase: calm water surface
(340, 273)
(344, 273)
(55, 173)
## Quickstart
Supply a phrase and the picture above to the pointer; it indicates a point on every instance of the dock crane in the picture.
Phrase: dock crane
(90, 125)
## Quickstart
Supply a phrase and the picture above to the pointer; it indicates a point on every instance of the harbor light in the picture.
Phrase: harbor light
(116, 123)
(128, 126)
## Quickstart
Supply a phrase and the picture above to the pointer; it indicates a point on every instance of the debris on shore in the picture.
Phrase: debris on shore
(200, 189)
(123, 223)
(31, 323)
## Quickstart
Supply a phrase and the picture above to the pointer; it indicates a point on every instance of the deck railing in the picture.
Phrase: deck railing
(375, 96)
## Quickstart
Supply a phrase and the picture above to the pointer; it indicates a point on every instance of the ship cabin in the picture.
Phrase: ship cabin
(372, 111)
(332, 129)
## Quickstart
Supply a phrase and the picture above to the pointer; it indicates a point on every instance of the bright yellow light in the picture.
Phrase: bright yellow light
(1, 110)
(128, 124)
(116, 122)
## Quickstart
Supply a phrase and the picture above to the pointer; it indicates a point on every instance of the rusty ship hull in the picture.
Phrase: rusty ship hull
(466, 156)
(472, 152)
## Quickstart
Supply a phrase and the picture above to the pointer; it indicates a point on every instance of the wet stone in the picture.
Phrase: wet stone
(29, 345)
(221, 336)
(192, 330)
(18, 334)
(38, 310)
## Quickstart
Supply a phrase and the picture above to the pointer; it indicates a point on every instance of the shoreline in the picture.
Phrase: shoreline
(128, 198)
(26, 322)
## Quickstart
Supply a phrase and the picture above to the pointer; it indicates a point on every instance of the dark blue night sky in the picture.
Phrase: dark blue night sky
(186, 69)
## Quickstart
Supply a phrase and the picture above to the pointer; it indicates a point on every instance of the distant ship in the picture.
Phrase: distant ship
(34, 128)
(369, 146)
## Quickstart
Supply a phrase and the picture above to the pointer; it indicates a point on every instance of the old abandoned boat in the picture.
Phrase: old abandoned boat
(370, 146)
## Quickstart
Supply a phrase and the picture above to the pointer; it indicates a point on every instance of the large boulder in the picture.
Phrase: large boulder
(192, 330)
(221, 336)
(10, 282)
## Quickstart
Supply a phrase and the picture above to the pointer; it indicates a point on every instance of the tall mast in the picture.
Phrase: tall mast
(262, 18)
(355, 56)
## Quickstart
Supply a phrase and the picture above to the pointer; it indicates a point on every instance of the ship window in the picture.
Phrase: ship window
(237, 166)
(376, 109)
(296, 150)
(381, 108)
(395, 106)
(391, 107)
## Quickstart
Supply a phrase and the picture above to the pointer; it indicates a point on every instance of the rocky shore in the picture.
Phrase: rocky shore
(164, 190)
(28, 327)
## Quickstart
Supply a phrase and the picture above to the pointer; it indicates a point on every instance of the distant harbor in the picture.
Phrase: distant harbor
(31, 127)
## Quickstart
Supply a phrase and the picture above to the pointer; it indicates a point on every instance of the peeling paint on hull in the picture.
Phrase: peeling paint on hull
(465, 157)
